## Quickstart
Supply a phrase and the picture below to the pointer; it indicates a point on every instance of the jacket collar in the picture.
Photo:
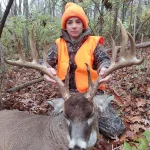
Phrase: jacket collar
(82, 37)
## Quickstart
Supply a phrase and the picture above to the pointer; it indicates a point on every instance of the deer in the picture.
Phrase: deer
(75, 127)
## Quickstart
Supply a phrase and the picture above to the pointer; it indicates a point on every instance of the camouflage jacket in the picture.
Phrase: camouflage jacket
(101, 59)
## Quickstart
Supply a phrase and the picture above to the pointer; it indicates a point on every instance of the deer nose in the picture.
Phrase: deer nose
(76, 148)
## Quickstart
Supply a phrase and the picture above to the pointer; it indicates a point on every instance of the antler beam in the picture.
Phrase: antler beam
(40, 67)
(122, 62)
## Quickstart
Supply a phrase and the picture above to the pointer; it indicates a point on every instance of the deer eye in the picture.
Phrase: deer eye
(90, 120)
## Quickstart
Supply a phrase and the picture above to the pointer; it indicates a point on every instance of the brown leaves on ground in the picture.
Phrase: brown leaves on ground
(33, 98)
(130, 87)
(131, 90)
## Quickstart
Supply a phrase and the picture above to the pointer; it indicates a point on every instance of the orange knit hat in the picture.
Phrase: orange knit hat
(74, 10)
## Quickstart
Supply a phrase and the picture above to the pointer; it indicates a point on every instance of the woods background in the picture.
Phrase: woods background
(45, 15)
(131, 90)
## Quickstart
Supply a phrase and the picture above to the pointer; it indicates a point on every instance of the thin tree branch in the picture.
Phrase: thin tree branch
(141, 45)
(2, 72)
(17, 88)
(1, 50)
(142, 25)
(5, 16)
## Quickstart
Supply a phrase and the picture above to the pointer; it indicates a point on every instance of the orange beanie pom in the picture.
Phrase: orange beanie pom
(74, 10)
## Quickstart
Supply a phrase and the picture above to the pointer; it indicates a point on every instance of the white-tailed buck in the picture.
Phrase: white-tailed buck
(74, 129)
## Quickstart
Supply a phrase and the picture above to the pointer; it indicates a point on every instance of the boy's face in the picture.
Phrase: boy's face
(74, 27)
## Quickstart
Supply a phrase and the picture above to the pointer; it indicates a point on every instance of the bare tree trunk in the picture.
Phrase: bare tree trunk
(138, 21)
(1, 51)
(49, 7)
(53, 10)
(2, 73)
(0, 11)
(26, 13)
(110, 22)
(131, 15)
(123, 11)
(135, 22)
(53, 7)
(140, 27)
(5, 16)
(63, 5)
(115, 22)
(101, 19)
(96, 9)
(20, 3)
(15, 8)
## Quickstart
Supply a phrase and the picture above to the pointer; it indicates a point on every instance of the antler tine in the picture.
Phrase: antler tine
(42, 68)
(114, 50)
(124, 41)
(133, 50)
(33, 47)
(123, 62)
(89, 76)
(92, 87)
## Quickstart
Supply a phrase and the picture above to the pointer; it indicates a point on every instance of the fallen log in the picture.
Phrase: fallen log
(19, 87)
(140, 45)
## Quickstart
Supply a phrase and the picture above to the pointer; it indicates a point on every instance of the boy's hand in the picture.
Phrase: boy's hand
(106, 79)
(47, 78)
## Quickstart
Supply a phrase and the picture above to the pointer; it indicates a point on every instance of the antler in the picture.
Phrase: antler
(40, 67)
(122, 62)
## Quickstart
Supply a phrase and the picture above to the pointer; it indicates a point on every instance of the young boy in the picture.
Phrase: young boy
(76, 47)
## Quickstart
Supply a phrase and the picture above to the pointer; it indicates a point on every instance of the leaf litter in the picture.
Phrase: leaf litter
(131, 99)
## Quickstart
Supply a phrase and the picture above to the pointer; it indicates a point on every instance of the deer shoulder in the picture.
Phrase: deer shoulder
(25, 131)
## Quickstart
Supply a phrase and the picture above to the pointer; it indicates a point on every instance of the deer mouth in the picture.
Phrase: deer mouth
(77, 144)
(81, 144)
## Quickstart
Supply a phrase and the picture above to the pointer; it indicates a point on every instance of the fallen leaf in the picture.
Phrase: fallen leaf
(117, 97)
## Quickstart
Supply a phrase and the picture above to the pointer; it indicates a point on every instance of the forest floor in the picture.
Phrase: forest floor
(130, 87)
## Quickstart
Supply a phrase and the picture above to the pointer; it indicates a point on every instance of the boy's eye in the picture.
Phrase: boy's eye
(69, 22)
(78, 21)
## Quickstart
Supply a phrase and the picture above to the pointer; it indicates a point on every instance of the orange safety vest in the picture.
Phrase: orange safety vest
(85, 54)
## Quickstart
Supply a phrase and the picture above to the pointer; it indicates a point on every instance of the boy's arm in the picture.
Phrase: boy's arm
(52, 57)
(101, 59)
(52, 61)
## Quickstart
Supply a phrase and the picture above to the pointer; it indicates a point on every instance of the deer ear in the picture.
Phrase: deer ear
(58, 105)
(101, 102)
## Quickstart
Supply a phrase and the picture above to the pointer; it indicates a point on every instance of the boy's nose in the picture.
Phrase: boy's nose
(74, 25)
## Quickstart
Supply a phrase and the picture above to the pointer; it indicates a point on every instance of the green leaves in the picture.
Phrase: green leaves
(46, 29)
(139, 144)
(127, 146)
(143, 144)
(147, 135)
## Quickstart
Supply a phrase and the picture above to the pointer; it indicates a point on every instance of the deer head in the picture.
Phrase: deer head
(80, 109)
